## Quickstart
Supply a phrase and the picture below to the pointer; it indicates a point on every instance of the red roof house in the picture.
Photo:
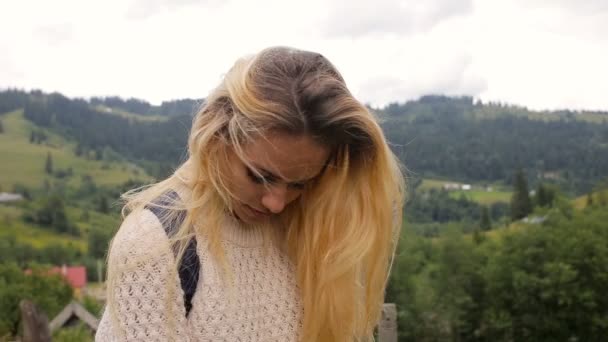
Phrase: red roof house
(75, 275)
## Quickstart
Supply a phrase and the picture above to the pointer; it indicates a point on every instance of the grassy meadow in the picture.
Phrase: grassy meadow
(24, 162)
(128, 115)
(13, 226)
(477, 194)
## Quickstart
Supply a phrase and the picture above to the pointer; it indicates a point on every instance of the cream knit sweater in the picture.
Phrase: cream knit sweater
(265, 305)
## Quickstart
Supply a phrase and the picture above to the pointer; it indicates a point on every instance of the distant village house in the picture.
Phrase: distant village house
(76, 276)
(6, 197)
(456, 186)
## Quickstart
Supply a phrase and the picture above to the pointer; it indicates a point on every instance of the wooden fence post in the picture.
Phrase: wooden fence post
(387, 329)
(35, 323)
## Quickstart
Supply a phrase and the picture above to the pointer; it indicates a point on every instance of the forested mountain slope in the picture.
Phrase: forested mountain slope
(435, 136)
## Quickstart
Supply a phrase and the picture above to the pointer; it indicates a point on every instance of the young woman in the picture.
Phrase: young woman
(280, 226)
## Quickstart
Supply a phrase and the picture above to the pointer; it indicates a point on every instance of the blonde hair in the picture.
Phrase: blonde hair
(341, 232)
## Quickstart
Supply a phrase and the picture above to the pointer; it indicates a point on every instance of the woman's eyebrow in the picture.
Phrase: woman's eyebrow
(269, 174)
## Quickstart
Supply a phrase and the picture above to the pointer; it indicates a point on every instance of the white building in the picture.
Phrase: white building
(8, 197)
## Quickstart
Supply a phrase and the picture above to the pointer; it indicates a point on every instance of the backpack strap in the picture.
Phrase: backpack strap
(189, 266)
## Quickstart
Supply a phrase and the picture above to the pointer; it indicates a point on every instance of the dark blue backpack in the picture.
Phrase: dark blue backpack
(189, 266)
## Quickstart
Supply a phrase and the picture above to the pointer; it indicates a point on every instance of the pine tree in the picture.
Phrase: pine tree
(589, 199)
(85, 216)
(48, 167)
(602, 199)
(78, 150)
(58, 217)
(485, 223)
(478, 237)
(103, 205)
(602, 190)
(521, 205)
(544, 196)
(540, 195)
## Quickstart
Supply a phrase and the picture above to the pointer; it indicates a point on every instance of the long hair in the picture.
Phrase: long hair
(341, 232)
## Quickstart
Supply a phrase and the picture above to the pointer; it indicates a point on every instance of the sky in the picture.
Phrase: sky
(541, 54)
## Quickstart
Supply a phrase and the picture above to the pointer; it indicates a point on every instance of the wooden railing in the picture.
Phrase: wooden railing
(36, 326)
(387, 328)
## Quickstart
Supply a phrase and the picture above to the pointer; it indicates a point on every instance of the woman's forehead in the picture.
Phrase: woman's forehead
(292, 158)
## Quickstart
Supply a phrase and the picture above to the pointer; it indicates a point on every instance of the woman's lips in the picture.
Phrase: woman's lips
(257, 212)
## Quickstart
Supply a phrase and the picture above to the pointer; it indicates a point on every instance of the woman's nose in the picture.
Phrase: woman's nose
(275, 197)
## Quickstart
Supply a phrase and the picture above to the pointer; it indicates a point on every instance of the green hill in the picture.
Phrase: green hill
(596, 197)
(434, 137)
(13, 227)
(23, 162)
(472, 142)
(437, 138)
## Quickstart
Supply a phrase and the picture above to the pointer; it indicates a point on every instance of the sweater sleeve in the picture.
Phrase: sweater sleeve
(144, 298)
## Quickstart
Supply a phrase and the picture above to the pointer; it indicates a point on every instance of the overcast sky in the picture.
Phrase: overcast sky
(543, 54)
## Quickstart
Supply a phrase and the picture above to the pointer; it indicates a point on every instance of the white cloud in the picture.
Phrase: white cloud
(423, 71)
(539, 53)
(143, 9)
(531, 60)
(54, 34)
(584, 7)
(354, 18)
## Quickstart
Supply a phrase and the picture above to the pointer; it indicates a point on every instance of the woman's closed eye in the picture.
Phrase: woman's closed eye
(258, 179)
(268, 179)
(298, 186)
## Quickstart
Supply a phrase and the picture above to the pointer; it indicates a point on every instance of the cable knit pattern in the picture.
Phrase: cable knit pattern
(264, 303)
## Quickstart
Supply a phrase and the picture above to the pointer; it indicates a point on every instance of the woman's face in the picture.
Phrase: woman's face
(286, 163)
